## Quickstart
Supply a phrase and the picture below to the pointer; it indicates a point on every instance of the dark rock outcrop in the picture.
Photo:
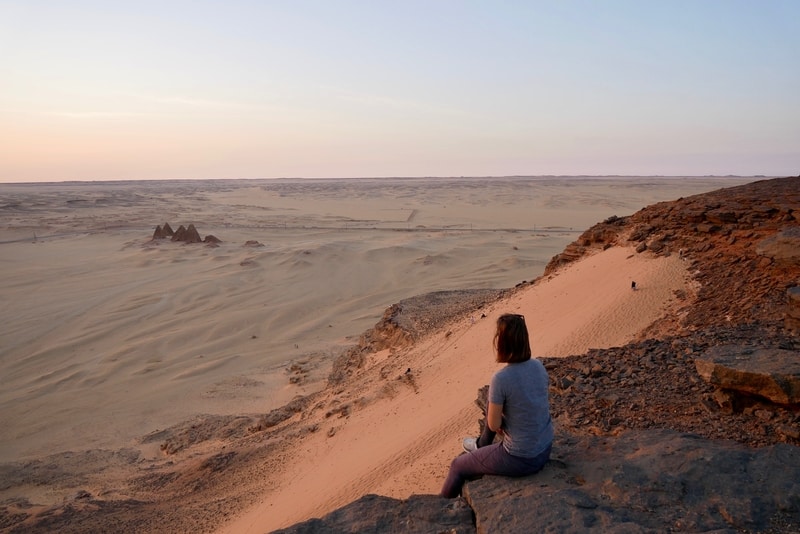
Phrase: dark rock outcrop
(771, 373)
(655, 384)
(792, 321)
(374, 514)
(411, 318)
(646, 481)
(783, 247)
(168, 231)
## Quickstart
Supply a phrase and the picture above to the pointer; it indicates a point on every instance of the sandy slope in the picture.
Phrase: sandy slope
(403, 446)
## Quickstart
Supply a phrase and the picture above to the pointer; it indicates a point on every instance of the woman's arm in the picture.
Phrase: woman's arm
(494, 417)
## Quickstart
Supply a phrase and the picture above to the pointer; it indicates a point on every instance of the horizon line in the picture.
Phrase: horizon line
(425, 177)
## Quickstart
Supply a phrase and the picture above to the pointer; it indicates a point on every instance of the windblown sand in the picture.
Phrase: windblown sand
(108, 336)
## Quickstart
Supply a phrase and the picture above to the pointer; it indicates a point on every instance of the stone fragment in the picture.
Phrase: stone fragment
(708, 228)
(770, 373)
(792, 320)
(656, 246)
(783, 247)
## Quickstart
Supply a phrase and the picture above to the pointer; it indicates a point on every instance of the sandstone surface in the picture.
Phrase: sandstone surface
(773, 374)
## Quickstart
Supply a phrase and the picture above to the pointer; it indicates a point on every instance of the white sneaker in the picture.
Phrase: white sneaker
(470, 444)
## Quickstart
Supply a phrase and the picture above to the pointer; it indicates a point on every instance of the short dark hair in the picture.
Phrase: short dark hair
(511, 339)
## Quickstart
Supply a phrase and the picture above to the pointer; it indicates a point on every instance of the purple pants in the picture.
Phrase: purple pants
(490, 460)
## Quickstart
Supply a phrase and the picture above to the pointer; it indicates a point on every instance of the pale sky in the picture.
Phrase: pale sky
(108, 90)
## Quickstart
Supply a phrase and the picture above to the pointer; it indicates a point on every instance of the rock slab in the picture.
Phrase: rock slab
(646, 481)
(375, 514)
(771, 373)
(792, 320)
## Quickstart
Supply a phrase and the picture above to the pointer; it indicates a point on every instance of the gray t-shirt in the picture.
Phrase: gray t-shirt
(522, 390)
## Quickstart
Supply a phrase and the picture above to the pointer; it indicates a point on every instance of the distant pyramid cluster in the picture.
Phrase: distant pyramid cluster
(184, 234)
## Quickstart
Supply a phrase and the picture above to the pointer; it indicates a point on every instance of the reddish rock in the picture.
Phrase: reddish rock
(783, 247)
(793, 310)
(771, 373)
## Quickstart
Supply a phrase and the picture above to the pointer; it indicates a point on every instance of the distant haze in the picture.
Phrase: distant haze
(199, 90)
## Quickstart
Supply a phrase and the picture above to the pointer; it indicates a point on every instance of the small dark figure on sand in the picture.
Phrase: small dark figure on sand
(633, 286)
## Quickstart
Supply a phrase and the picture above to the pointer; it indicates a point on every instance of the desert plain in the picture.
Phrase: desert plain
(109, 335)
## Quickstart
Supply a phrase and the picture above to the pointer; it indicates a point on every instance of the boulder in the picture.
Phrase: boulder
(421, 514)
(771, 373)
(211, 239)
(646, 481)
(168, 232)
(158, 233)
(793, 310)
(783, 247)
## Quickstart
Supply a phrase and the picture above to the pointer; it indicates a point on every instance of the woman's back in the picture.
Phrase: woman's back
(522, 390)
